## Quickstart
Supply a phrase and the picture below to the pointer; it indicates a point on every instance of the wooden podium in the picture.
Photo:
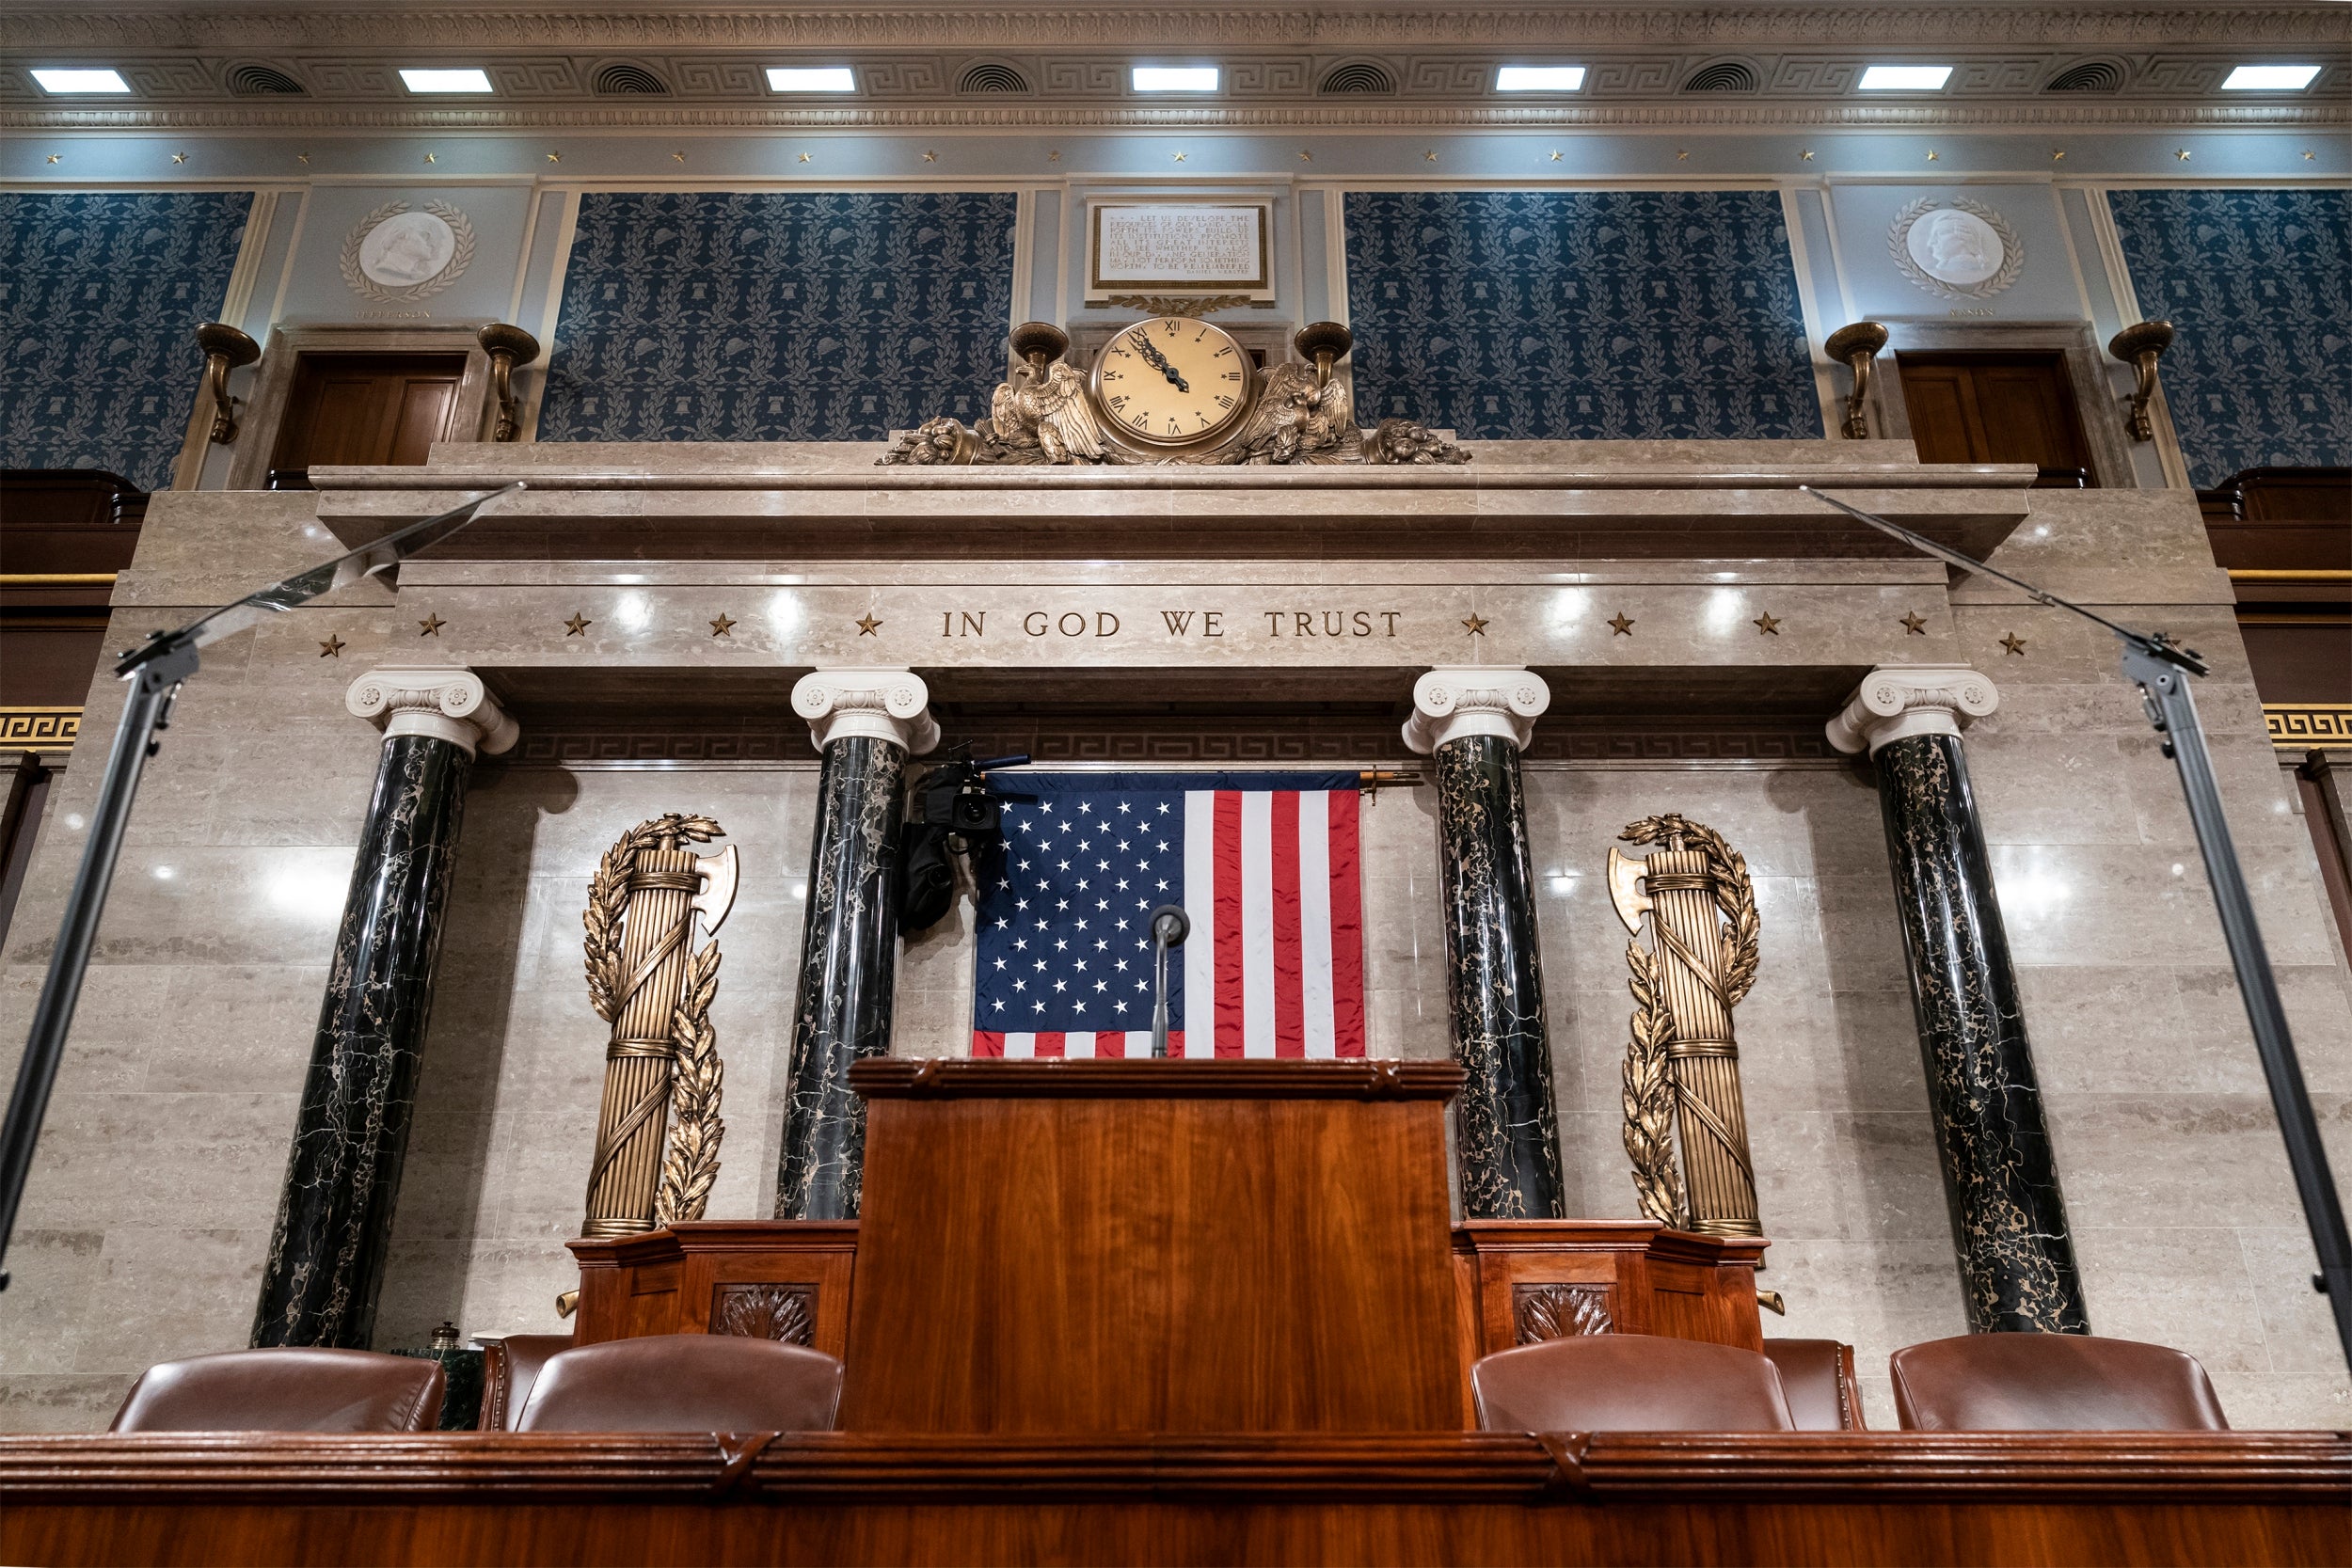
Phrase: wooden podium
(1162, 1246)
(1117, 1247)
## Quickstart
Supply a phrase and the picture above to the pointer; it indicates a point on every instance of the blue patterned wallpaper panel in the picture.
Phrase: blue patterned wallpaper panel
(779, 315)
(100, 294)
(2258, 285)
(1518, 315)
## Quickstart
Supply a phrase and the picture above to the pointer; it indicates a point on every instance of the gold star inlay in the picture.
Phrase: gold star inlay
(1555, 155)
(929, 157)
(2057, 155)
(1915, 624)
(1053, 157)
(722, 626)
(1806, 154)
(804, 157)
(867, 625)
(1181, 156)
(1429, 157)
(333, 647)
(1305, 156)
(2182, 154)
(178, 157)
(53, 157)
(430, 627)
(1476, 624)
(302, 157)
(1682, 155)
(555, 157)
(1621, 624)
(2309, 155)
(678, 157)
(1768, 625)
(577, 625)
(2014, 642)
(431, 159)
(1932, 155)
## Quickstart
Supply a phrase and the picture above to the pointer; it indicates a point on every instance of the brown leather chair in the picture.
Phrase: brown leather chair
(1818, 1377)
(1629, 1383)
(285, 1390)
(509, 1368)
(2052, 1383)
(685, 1382)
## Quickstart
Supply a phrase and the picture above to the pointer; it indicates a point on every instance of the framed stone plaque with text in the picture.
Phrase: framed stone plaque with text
(1179, 247)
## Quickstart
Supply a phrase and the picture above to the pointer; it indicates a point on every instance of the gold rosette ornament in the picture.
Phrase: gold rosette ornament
(1682, 1065)
(657, 1134)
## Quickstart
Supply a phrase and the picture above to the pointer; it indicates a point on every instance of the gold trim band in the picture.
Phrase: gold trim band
(56, 579)
(2309, 574)
(2301, 726)
(40, 729)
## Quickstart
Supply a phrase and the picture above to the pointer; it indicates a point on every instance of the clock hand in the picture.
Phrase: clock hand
(1159, 361)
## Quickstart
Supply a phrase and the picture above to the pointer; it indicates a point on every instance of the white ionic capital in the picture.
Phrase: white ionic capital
(446, 703)
(1450, 703)
(881, 704)
(1898, 701)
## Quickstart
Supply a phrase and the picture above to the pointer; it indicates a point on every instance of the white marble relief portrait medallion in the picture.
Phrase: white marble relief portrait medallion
(398, 253)
(1955, 248)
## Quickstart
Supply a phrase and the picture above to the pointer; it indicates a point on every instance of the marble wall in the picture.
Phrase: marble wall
(149, 1216)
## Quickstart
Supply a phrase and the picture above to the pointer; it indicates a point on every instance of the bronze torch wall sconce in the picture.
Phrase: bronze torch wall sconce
(507, 346)
(1325, 342)
(225, 349)
(2141, 346)
(1857, 347)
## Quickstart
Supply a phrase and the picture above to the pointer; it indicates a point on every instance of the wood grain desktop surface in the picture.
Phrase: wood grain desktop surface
(1622, 1498)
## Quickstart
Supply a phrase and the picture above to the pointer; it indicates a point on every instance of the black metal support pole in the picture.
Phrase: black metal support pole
(146, 711)
(2174, 714)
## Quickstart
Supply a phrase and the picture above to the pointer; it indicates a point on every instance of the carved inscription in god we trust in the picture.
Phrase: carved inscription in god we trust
(1281, 625)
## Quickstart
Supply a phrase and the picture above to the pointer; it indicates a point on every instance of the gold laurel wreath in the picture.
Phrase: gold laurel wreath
(690, 1161)
(1651, 1092)
(1649, 1097)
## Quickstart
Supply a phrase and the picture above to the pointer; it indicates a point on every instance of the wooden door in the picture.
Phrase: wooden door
(365, 409)
(1996, 409)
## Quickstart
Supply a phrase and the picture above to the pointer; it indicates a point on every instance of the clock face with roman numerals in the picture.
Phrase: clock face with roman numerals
(1172, 382)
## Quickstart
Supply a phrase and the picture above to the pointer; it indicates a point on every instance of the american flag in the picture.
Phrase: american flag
(1267, 865)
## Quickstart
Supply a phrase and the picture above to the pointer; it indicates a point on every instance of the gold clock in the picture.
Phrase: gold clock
(1172, 382)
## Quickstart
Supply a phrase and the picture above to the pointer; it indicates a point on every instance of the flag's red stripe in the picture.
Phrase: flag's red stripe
(1049, 1044)
(1348, 929)
(1228, 955)
(1290, 1007)
(988, 1042)
(1111, 1045)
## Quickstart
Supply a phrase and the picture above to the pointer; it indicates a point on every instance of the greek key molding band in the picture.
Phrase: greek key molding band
(864, 722)
(2000, 1176)
(1472, 723)
(327, 1252)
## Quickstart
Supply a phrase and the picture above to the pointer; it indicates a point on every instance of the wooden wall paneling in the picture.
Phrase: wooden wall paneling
(1135, 1246)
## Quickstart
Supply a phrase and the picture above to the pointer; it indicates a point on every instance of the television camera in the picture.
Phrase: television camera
(956, 813)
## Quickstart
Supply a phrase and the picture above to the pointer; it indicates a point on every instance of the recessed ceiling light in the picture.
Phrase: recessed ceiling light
(811, 78)
(1905, 78)
(53, 80)
(1175, 78)
(468, 80)
(1540, 78)
(2270, 78)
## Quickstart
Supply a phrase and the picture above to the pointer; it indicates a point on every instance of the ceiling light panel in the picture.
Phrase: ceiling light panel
(2270, 78)
(1175, 78)
(70, 79)
(1905, 78)
(468, 79)
(1540, 78)
(816, 78)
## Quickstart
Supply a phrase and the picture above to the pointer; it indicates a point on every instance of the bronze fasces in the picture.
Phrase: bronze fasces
(2141, 346)
(655, 988)
(509, 348)
(1682, 1065)
(225, 349)
(1857, 347)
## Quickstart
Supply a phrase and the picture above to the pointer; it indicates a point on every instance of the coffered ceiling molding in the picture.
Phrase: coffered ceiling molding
(143, 25)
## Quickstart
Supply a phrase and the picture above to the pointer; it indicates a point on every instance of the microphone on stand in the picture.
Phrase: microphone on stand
(1169, 926)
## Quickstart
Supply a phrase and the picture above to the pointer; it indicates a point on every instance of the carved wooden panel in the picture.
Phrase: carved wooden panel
(785, 1313)
(1555, 1311)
